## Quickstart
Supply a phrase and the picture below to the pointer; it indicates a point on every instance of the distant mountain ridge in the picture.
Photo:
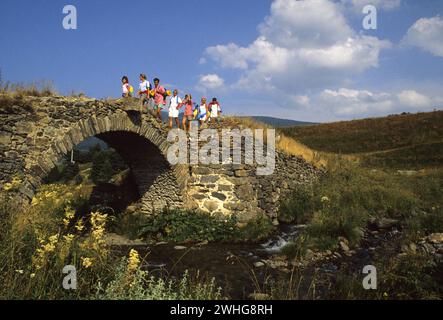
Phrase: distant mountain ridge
(279, 123)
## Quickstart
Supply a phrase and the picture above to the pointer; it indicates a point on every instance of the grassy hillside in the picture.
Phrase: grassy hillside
(401, 141)
(375, 134)
(280, 123)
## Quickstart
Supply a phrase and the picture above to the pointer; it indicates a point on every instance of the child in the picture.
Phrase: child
(187, 117)
(215, 110)
(143, 91)
(173, 111)
(126, 87)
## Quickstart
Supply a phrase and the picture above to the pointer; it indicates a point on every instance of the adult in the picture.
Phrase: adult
(215, 110)
(143, 92)
(126, 88)
(159, 98)
(188, 115)
(203, 111)
(174, 102)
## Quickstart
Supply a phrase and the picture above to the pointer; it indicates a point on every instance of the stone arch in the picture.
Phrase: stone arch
(143, 146)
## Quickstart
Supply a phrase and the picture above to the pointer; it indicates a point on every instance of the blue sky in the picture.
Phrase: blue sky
(307, 60)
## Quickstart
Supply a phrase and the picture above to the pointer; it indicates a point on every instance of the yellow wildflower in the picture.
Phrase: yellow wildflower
(79, 225)
(86, 262)
(69, 215)
(7, 186)
(324, 199)
(133, 260)
(68, 238)
(35, 201)
(14, 184)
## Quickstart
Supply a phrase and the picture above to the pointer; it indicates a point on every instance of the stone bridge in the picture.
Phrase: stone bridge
(37, 132)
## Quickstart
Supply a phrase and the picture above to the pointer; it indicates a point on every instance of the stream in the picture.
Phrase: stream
(239, 268)
(244, 268)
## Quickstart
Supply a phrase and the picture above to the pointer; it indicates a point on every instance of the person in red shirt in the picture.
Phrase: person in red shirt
(188, 116)
(159, 99)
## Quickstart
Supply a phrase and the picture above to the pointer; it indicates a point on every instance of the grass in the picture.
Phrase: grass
(283, 142)
(342, 202)
(428, 155)
(184, 226)
(37, 242)
(14, 95)
(140, 285)
(406, 141)
(41, 88)
(371, 135)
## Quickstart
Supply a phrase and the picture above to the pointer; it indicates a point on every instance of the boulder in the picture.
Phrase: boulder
(436, 238)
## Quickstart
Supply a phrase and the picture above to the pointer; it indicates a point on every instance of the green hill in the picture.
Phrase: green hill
(403, 141)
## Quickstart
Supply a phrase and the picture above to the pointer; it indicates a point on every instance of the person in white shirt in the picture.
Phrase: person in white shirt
(215, 110)
(203, 111)
(143, 92)
(174, 102)
(126, 87)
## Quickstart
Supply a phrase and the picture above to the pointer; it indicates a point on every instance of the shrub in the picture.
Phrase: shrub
(182, 226)
(140, 285)
(298, 207)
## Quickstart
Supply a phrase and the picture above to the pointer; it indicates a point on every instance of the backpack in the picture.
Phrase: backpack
(166, 94)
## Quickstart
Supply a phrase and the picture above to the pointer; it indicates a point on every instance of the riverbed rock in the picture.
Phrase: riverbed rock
(114, 239)
(259, 296)
(344, 246)
(259, 264)
(180, 248)
(385, 223)
(436, 238)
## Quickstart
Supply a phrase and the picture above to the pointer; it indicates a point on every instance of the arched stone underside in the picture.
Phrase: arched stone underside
(142, 144)
(37, 132)
(156, 181)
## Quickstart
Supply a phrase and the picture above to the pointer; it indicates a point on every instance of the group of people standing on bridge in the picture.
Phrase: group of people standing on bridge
(156, 98)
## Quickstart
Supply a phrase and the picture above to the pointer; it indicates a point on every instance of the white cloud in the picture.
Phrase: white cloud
(412, 98)
(358, 5)
(302, 44)
(210, 81)
(348, 103)
(426, 33)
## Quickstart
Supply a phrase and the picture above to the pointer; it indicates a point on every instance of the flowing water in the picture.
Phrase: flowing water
(237, 267)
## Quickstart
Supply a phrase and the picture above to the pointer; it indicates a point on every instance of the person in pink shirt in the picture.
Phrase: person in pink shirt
(159, 98)
(187, 117)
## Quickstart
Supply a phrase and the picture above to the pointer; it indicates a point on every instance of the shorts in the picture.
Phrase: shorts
(158, 106)
(144, 98)
(189, 118)
(173, 112)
